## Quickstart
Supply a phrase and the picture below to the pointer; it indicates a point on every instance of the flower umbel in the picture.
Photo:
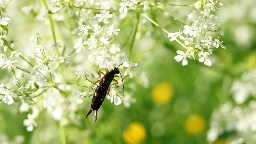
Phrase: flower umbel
(196, 35)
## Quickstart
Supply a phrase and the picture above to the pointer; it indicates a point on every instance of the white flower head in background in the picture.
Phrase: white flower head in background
(196, 34)
(244, 87)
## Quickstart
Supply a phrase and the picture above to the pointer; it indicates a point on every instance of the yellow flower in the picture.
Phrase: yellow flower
(162, 93)
(220, 141)
(251, 60)
(134, 133)
(194, 124)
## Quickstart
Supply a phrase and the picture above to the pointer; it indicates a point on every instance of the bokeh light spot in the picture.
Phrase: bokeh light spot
(135, 133)
(162, 93)
(195, 124)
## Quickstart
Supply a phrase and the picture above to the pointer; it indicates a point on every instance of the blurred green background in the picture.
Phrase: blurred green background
(177, 105)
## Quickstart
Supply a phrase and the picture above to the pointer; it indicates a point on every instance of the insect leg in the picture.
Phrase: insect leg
(100, 73)
(108, 90)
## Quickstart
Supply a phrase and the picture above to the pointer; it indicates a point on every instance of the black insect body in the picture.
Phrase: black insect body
(102, 90)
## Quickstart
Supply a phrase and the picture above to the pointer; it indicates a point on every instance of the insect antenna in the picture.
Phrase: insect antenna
(122, 82)
(122, 78)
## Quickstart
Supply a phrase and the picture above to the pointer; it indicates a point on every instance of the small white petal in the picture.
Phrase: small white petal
(184, 62)
(201, 59)
(30, 128)
(178, 58)
(117, 100)
(180, 52)
(8, 99)
(208, 62)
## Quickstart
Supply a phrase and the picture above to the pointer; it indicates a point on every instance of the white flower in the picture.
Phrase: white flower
(36, 37)
(80, 73)
(128, 99)
(104, 16)
(204, 57)
(114, 48)
(198, 4)
(145, 5)
(115, 97)
(104, 41)
(79, 97)
(174, 36)
(16, 53)
(92, 43)
(4, 20)
(57, 113)
(97, 29)
(111, 30)
(30, 122)
(9, 64)
(24, 107)
(8, 99)
(130, 68)
(79, 45)
(83, 29)
(124, 7)
(181, 57)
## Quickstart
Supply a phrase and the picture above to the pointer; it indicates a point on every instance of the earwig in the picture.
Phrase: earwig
(102, 90)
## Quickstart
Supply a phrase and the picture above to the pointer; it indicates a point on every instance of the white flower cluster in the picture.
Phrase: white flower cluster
(244, 87)
(4, 139)
(27, 82)
(4, 22)
(239, 118)
(127, 5)
(60, 108)
(95, 39)
(236, 124)
(195, 37)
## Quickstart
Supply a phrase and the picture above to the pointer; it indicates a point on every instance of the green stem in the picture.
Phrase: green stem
(173, 18)
(22, 57)
(71, 52)
(153, 22)
(61, 91)
(96, 9)
(135, 30)
(40, 93)
(52, 25)
(22, 69)
(62, 134)
(181, 4)
(127, 20)
(181, 43)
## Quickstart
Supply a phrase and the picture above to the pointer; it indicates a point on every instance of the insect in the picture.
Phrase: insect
(102, 89)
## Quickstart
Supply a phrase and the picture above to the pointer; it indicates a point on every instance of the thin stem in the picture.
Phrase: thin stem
(128, 19)
(22, 69)
(135, 30)
(97, 9)
(71, 52)
(181, 4)
(51, 21)
(181, 43)
(153, 22)
(62, 134)
(40, 93)
(61, 91)
(22, 57)
(175, 19)
(52, 25)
